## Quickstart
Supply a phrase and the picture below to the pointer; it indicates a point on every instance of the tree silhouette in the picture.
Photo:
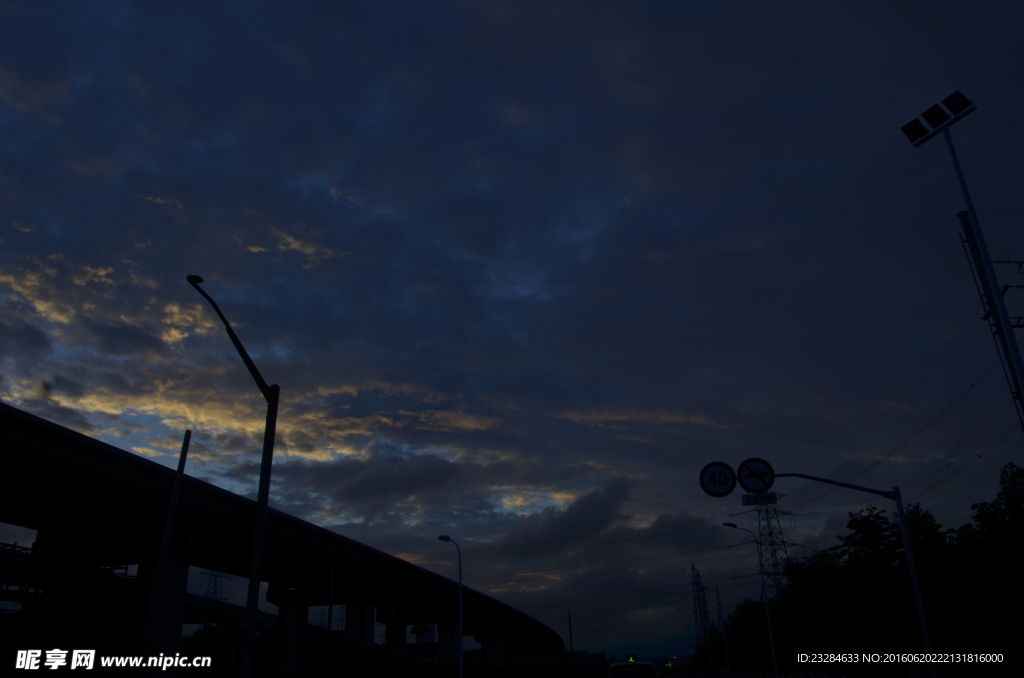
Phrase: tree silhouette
(856, 596)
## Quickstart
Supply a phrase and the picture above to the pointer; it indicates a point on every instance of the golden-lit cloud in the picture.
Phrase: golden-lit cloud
(36, 286)
(620, 418)
(143, 281)
(452, 420)
(181, 321)
(527, 500)
(314, 253)
(253, 249)
(420, 392)
(347, 389)
(347, 193)
(88, 274)
(147, 451)
(167, 202)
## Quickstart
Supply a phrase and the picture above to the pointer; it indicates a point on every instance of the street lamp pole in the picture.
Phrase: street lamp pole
(445, 537)
(272, 393)
(764, 596)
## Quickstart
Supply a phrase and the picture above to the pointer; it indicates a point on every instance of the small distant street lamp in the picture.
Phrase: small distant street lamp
(445, 537)
(272, 393)
(764, 596)
(940, 120)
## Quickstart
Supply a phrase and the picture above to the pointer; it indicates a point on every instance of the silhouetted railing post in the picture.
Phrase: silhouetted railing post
(150, 634)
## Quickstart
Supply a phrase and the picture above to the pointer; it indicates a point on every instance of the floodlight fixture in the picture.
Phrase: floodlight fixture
(957, 103)
(938, 118)
(935, 116)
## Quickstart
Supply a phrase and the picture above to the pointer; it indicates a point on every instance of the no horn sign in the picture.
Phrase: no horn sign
(755, 475)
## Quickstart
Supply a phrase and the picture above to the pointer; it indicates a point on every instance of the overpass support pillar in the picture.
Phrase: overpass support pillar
(292, 618)
(395, 639)
(447, 643)
(493, 647)
(359, 620)
(172, 607)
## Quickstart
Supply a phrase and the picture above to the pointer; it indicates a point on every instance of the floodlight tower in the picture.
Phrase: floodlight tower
(940, 120)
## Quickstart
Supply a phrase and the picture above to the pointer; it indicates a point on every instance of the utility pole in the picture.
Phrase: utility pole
(570, 630)
(721, 624)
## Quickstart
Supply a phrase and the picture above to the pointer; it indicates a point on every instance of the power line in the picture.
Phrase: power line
(928, 424)
(558, 544)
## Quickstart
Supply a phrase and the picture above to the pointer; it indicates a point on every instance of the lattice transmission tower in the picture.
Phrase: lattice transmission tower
(701, 616)
(772, 549)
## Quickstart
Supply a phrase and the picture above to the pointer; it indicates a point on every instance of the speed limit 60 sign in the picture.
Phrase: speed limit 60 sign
(717, 479)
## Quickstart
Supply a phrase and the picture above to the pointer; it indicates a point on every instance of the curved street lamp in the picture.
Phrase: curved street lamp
(272, 393)
(445, 537)
(764, 597)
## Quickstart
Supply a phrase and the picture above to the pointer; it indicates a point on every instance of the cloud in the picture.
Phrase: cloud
(616, 418)
(585, 517)
(314, 253)
(543, 248)
(22, 340)
(447, 420)
(182, 320)
(28, 92)
(121, 339)
(169, 202)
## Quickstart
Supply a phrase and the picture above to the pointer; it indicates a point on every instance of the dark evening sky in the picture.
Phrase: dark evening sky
(520, 269)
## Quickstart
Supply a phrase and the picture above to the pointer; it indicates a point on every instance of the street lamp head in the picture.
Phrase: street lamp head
(444, 537)
(935, 116)
(939, 118)
(194, 279)
(957, 103)
(731, 525)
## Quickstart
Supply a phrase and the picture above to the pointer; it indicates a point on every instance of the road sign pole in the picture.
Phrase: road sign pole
(905, 531)
(913, 572)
